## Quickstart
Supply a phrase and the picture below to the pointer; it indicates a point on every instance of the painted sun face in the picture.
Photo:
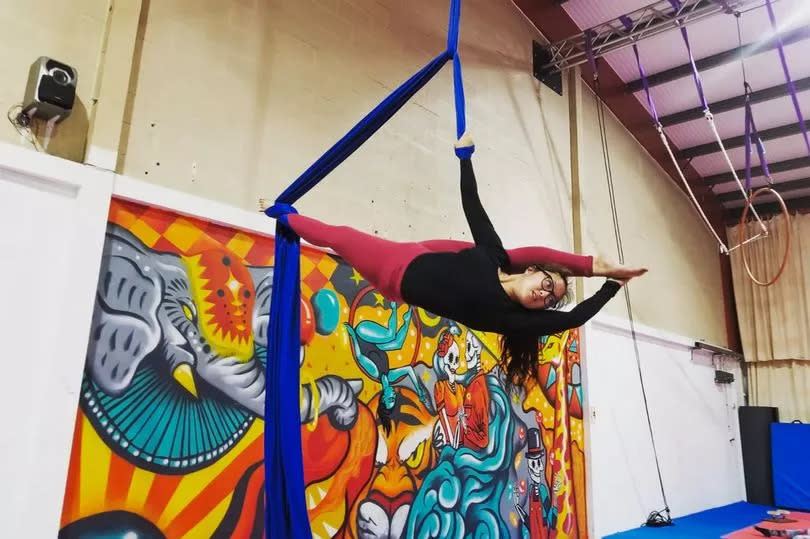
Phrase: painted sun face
(223, 291)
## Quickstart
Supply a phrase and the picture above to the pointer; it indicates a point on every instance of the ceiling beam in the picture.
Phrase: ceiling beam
(774, 92)
(739, 142)
(779, 166)
(794, 205)
(719, 59)
(782, 187)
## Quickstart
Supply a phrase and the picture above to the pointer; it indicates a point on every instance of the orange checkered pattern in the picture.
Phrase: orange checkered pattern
(168, 232)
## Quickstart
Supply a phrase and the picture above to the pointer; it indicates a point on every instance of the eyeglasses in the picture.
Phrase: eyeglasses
(548, 285)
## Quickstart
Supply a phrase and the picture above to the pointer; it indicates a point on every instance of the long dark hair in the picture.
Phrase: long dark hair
(519, 358)
(520, 352)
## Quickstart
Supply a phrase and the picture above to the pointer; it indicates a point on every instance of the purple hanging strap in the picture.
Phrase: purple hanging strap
(752, 135)
(791, 86)
(676, 5)
(628, 24)
(763, 161)
(747, 143)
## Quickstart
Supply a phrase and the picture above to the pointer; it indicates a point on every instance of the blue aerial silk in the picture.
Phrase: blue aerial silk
(286, 512)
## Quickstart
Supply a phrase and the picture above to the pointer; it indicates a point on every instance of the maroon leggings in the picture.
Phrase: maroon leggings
(383, 262)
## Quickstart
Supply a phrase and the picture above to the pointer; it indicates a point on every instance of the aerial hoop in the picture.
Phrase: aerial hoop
(745, 241)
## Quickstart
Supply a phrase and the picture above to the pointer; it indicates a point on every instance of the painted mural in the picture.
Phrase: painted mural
(407, 428)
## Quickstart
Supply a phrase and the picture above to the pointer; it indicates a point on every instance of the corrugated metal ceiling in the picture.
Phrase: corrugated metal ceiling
(708, 37)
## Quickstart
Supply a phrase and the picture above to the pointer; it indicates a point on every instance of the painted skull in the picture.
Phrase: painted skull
(472, 352)
(451, 360)
(537, 466)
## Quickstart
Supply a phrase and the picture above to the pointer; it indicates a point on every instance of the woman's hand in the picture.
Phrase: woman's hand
(605, 268)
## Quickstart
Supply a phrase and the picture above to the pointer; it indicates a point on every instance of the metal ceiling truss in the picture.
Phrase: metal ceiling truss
(610, 36)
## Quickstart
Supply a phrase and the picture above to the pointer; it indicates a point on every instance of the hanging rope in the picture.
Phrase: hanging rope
(655, 518)
(751, 133)
(752, 137)
(780, 46)
(628, 24)
(707, 113)
(285, 506)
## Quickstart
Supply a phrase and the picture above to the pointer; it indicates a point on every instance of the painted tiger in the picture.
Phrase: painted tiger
(402, 460)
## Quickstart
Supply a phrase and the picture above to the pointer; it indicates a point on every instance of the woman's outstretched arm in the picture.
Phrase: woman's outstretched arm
(484, 235)
(481, 227)
(568, 263)
(546, 322)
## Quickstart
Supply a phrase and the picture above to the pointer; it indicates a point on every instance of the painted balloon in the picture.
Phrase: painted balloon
(327, 311)
(307, 322)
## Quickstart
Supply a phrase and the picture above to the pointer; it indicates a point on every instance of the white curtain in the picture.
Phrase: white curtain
(784, 384)
(775, 320)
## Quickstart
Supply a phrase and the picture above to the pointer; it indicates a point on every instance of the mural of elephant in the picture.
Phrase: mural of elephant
(175, 364)
(145, 306)
(175, 370)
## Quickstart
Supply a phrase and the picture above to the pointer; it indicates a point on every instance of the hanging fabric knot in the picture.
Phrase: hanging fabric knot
(465, 152)
(279, 212)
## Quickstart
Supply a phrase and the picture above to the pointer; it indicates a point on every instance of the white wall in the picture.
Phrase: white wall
(694, 423)
(53, 219)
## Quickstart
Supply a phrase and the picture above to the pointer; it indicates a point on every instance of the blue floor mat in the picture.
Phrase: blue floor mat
(712, 523)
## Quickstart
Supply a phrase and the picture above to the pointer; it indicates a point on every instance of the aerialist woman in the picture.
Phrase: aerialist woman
(512, 292)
